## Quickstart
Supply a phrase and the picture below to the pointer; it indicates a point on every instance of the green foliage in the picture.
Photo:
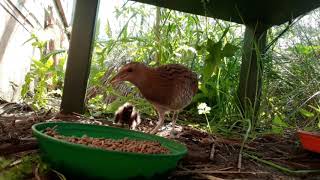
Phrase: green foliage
(278, 124)
(211, 48)
(292, 77)
(46, 76)
(179, 38)
(21, 170)
(306, 113)
(4, 163)
(210, 78)
(216, 55)
(313, 117)
(97, 107)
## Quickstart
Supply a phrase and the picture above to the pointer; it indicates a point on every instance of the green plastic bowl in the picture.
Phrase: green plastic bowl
(83, 161)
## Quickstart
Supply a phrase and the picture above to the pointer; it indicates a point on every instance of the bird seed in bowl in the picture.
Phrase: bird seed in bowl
(124, 145)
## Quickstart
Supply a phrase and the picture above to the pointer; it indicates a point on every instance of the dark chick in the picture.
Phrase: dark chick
(127, 114)
(169, 87)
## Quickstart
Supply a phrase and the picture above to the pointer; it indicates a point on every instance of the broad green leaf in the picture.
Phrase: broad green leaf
(208, 67)
(213, 59)
(38, 64)
(49, 63)
(124, 31)
(209, 44)
(276, 129)
(277, 121)
(229, 50)
(224, 33)
(216, 51)
(52, 53)
(198, 47)
(306, 113)
(152, 63)
(30, 39)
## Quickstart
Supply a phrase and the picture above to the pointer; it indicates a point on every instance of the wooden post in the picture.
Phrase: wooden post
(250, 84)
(79, 58)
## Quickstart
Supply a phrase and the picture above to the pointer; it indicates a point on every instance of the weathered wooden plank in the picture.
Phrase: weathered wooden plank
(271, 12)
(251, 71)
(79, 59)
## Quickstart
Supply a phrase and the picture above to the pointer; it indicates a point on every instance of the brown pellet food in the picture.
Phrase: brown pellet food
(125, 144)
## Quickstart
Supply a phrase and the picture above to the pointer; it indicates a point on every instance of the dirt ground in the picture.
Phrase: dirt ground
(209, 156)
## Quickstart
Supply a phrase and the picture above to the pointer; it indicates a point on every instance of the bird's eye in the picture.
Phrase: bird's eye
(129, 70)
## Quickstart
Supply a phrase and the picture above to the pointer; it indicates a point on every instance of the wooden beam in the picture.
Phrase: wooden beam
(271, 12)
(79, 58)
(250, 83)
(62, 15)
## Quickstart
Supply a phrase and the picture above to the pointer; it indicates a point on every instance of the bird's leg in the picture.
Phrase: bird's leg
(160, 122)
(174, 119)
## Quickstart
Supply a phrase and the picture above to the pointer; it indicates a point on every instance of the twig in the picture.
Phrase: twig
(14, 148)
(208, 166)
(233, 142)
(284, 169)
(243, 144)
(197, 165)
(36, 172)
(213, 150)
(60, 175)
(28, 139)
(224, 169)
(209, 177)
(292, 163)
(6, 108)
(222, 157)
(279, 151)
(286, 158)
(183, 168)
(218, 172)
(239, 161)
(14, 140)
(16, 162)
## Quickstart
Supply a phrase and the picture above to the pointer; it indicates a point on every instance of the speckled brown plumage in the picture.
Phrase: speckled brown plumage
(168, 88)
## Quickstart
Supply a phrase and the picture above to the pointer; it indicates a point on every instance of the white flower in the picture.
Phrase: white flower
(203, 108)
(202, 105)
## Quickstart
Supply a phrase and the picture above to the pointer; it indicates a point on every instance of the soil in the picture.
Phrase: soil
(124, 145)
(210, 156)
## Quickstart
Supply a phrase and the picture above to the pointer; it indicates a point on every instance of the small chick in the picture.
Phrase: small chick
(127, 114)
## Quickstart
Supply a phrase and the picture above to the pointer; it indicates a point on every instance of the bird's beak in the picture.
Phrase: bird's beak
(117, 78)
(114, 80)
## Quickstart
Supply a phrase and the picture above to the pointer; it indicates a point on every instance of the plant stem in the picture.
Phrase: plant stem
(281, 168)
(208, 124)
(243, 142)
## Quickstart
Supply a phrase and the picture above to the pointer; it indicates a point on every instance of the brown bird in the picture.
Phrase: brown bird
(168, 87)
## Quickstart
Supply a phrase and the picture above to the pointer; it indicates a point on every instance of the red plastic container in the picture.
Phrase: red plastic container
(310, 140)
